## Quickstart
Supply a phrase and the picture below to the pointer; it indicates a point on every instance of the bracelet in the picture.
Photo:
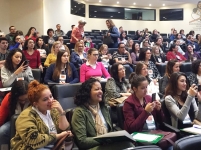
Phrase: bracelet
(63, 113)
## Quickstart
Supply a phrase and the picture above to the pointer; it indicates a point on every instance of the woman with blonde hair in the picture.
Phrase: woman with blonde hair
(62, 71)
(51, 58)
(113, 33)
(157, 57)
(78, 57)
(104, 56)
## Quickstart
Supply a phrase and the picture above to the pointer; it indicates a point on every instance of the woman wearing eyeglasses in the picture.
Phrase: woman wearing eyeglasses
(62, 71)
(92, 68)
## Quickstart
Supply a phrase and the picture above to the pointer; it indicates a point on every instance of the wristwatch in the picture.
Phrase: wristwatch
(63, 113)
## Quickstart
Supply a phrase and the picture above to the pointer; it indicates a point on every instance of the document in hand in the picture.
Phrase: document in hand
(147, 137)
(195, 129)
(114, 137)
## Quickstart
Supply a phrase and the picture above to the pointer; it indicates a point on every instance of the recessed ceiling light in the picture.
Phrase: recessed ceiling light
(117, 2)
(163, 4)
(74, 6)
(99, 1)
(134, 3)
(119, 12)
(111, 16)
(127, 9)
(95, 11)
(94, 16)
(149, 4)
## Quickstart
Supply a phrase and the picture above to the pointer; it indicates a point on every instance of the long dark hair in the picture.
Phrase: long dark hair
(19, 88)
(190, 56)
(169, 67)
(138, 70)
(26, 44)
(133, 48)
(114, 74)
(172, 86)
(121, 36)
(83, 95)
(37, 46)
(58, 64)
(135, 80)
(9, 63)
(29, 31)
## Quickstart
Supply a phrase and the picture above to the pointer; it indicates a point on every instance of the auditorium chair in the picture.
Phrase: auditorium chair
(95, 30)
(104, 31)
(186, 68)
(112, 50)
(187, 143)
(136, 41)
(161, 68)
(163, 35)
(94, 34)
(100, 38)
(37, 74)
(131, 32)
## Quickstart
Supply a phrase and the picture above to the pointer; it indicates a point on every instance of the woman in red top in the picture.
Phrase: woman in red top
(31, 34)
(174, 54)
(13, 103)
(32, 55)
(77, 33)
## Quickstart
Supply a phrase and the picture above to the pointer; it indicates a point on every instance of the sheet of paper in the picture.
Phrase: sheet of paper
(145, 137)
(192, 130)
(5, 89)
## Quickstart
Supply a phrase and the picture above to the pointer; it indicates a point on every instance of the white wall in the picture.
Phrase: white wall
(4, 15)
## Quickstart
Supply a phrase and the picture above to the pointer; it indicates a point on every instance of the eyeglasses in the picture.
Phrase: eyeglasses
(122, 69)
(60, 39)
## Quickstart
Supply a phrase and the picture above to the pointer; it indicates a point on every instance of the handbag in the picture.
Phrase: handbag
(116, 101)
(65, 143)
(168, 139)
(108, 40)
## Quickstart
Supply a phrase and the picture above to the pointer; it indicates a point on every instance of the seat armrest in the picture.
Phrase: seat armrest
(170, 128)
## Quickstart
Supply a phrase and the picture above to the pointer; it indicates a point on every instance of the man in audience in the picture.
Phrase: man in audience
(59, 32)
(121, 30)
(173, 36)
(11, 35)
(3, 50)
(69, 32)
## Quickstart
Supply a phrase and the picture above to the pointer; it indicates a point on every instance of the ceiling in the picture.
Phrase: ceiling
(141, 3)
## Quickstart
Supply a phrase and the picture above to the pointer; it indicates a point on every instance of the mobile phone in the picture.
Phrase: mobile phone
(26, 62)
(199, 87)
(153, 97)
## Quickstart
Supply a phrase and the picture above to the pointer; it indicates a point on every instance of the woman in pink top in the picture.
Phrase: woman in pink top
(77, 33)
(32, 55)
(92, 68)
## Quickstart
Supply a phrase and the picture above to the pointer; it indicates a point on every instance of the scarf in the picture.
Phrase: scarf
(100, 127)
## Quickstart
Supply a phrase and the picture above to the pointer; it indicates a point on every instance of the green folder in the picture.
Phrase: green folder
(145, 137)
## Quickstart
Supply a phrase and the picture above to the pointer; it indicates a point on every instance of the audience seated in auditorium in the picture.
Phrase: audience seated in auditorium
(122, 55)
(44, 121)
(145, 56)
(62, 71)
(113, 33)
(77, 33)
(14, 68)
(191, 41)
(18, 42)
(123, 38)
(174, 54)
(31, 34)
(11, 35)
(171, 67)
(62, 45)
(92, 68)
(157, 57)
(78, 57)
(153, 86)
(40, 46)
(197, 37)
(192, 32)
(129, 44)
(3, 50)
(195, 76)
(138, 35)
(13, 103)
(180, 101)
(51, 58)
(58, 31)
(116, 87)
(177, 43)
(87, 43)
(121, 30)
(32, 55)
(173, 35)
(91, 118)
(146, 32)
(50, 38)
(182, 34)
(154, 35)
(135, 52)
(104, 56)
(145, 44)
(159, 43)
(68, 34)
(190, 54)
(179, 37)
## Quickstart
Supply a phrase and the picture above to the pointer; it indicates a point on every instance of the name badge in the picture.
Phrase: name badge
(123, 59)
(178, 57)
(187, 120)
(20, 78)
(159, 60)
(194, 58)
(150, 123)
(150, 73)
(63, 77)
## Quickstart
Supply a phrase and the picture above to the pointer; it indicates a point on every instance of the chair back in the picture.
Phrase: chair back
(37, 74)
(12, 125)
(120, 115)
(166, 113)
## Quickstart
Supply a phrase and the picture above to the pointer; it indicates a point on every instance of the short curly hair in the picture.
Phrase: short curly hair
(34, 91)
(84, 92)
